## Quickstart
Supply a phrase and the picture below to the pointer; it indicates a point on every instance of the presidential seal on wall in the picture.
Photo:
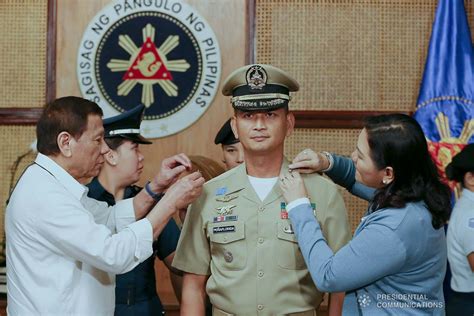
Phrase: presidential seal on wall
(160, 53)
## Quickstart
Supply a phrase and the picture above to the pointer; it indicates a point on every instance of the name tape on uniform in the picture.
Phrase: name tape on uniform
(223, 229)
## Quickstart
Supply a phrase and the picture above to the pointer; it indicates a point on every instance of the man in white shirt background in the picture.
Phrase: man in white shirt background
(63, 248)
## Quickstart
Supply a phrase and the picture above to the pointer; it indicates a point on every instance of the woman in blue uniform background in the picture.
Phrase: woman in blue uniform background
(135, 292)
(396, 261)
(460, 237)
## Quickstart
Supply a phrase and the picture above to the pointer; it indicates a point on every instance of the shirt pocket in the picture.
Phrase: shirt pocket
(288, 252)
(228, 245)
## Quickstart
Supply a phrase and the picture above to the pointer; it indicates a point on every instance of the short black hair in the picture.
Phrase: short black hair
(461, 164)
(114, 142)
(67, 114)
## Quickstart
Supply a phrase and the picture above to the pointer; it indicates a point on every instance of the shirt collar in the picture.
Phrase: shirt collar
(468, 194)
(95, 188)
(98, 192)
(72, 185)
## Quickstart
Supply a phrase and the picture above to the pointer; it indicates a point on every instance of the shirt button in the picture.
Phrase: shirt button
(259, 307)
(260, 240)
(261, 208)
(260, 273)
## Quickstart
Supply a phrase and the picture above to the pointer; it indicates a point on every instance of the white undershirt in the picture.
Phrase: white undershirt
(262, 186)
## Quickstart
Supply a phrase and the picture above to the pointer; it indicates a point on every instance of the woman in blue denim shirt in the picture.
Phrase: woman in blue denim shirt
(396, 261)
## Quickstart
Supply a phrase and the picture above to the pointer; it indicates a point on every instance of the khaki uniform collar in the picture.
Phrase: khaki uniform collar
(242, 186)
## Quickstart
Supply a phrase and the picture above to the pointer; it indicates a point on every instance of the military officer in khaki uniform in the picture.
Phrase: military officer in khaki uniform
(237, 242)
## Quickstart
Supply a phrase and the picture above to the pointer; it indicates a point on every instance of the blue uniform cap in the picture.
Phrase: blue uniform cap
(126, 125)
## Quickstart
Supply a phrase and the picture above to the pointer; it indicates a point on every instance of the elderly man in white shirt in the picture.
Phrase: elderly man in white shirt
(63, 248)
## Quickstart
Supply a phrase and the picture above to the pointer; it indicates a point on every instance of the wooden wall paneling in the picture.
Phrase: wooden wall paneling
(23, 80)
(51, 51)
(19, 116)
(250, 31)
(23, 42)
(30, 115)
(348, 55)
(335, 119)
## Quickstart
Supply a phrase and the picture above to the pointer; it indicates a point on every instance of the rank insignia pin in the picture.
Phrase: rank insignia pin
(225, 210)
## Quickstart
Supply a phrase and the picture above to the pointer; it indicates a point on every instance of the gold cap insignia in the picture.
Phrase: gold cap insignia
(256, 77)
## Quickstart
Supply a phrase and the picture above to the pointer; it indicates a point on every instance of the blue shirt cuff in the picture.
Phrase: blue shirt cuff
(296, 203)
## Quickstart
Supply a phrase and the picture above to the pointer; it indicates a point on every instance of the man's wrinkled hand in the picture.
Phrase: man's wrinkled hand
(185, 191)
(171, 168)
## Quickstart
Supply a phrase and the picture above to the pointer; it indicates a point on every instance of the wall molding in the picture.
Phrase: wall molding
(335, 119)
(250, 30)
(20, 116)
(304, 119)
(51, 51)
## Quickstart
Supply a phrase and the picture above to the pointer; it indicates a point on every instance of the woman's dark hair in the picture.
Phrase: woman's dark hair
(397, 141)
(114, 142)
(67, 114)
(209, 168)
(461, 164)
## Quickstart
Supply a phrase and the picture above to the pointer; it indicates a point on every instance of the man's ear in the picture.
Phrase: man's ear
(65, 141)
(290, 118)
(233, 125)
